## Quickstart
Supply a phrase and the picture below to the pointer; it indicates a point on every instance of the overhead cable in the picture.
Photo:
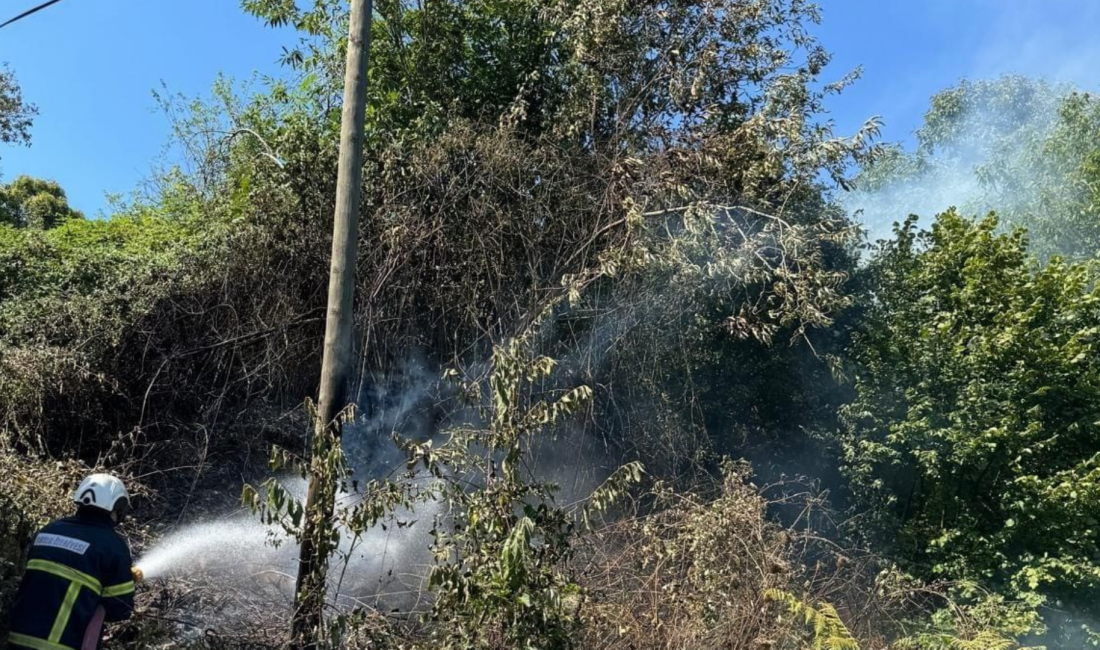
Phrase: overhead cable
(29, 12)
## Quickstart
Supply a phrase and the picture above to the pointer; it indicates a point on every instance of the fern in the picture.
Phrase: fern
(829, 631)
(986, 640)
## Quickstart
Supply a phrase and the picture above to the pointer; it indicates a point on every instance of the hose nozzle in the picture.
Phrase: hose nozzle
(139, 575)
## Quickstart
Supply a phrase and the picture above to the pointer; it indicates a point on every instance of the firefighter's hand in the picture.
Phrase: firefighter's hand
(138, 574)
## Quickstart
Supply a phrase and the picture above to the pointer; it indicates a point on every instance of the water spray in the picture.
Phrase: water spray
(237, 545)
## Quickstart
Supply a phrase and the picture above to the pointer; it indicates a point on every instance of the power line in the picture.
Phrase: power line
(29, 12)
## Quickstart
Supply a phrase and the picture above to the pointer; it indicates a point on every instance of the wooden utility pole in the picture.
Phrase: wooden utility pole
(337, 364)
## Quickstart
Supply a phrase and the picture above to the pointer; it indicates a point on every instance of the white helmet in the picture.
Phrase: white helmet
(103, 491)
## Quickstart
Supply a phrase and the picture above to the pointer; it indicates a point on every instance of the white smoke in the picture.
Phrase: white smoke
(985, 165)
(1051, 40)
(880, 211)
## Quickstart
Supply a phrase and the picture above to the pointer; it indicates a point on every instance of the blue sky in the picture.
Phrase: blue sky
(911, 49)
(91, 66)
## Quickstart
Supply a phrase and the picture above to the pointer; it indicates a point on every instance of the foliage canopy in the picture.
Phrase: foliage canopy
(972, 441)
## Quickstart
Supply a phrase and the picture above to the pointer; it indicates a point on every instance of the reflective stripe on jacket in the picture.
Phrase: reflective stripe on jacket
(75, 565)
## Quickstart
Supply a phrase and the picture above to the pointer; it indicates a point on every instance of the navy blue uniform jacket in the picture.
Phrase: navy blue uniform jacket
(75, 565)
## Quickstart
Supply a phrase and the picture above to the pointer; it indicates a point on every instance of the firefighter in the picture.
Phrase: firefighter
(79, 573)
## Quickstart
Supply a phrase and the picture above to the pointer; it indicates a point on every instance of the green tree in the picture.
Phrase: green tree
(1024, 147)
(16, 115)
(973, 442)
(30, 202)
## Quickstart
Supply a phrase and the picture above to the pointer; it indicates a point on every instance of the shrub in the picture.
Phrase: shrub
(972, 442)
